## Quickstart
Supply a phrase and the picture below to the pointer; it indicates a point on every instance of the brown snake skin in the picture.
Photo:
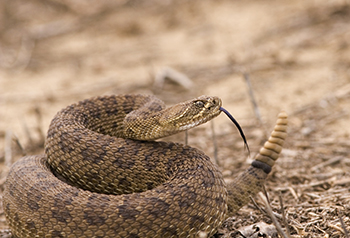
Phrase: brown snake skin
(108, 186)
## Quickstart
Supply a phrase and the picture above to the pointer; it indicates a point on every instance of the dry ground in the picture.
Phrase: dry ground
(295, 53)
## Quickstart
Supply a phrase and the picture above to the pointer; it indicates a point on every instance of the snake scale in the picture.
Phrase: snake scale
(103, 175)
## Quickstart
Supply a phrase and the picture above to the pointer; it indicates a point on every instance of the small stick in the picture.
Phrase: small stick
(18, 143)
(213, 137)
(173, 75)
(39, 123)
(262, 211)
(252, 97)
(8, 148)
(343, 226)
(265, 193)
(327, 163)
(25, 53)
(284, 219)
(26, 131)
(271, 215)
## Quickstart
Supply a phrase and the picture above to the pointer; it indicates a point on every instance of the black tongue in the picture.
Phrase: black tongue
(238, 127)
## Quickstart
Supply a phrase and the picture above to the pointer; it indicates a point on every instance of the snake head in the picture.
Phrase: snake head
(143, 124)
(189, 114)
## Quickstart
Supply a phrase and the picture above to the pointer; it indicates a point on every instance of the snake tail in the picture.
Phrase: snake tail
(251, 181)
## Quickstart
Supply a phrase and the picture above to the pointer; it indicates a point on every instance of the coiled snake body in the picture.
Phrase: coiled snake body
(102, 174)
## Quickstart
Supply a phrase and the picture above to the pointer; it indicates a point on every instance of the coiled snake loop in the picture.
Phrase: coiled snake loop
(102, 174)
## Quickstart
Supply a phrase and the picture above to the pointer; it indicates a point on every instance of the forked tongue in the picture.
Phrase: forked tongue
(238, 127)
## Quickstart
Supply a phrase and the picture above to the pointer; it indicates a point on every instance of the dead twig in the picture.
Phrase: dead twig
(172, 75)
(272, 216)
(30, 37)
(284, 219)
(213, 137)
(38, 115)
(18, 143)
(27, 133)
(335, 227)
(262, 211)
(8, 148)
(252, 98)
(24, 55)
(327, 163)
(346, 233)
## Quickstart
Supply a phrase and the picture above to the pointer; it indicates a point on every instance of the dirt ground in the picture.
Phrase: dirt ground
(293, 55)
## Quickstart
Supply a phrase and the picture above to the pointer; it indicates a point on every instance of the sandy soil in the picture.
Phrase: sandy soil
(296, 54)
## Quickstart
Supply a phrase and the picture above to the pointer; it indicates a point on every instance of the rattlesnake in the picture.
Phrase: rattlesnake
(103, 175)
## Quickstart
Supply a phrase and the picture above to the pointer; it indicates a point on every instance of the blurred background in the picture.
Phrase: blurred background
(292, 55)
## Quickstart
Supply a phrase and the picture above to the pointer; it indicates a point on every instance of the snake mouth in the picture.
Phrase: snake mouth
(193, 124)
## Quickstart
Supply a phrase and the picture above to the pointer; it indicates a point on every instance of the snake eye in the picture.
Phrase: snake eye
(199, 103)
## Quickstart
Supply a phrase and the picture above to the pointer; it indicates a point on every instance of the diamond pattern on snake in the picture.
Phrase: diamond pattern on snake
(104, 174)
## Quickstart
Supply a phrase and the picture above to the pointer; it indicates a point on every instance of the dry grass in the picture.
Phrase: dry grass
(296, 55)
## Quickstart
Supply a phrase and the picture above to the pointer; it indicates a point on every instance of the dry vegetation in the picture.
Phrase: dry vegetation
(295, 53)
